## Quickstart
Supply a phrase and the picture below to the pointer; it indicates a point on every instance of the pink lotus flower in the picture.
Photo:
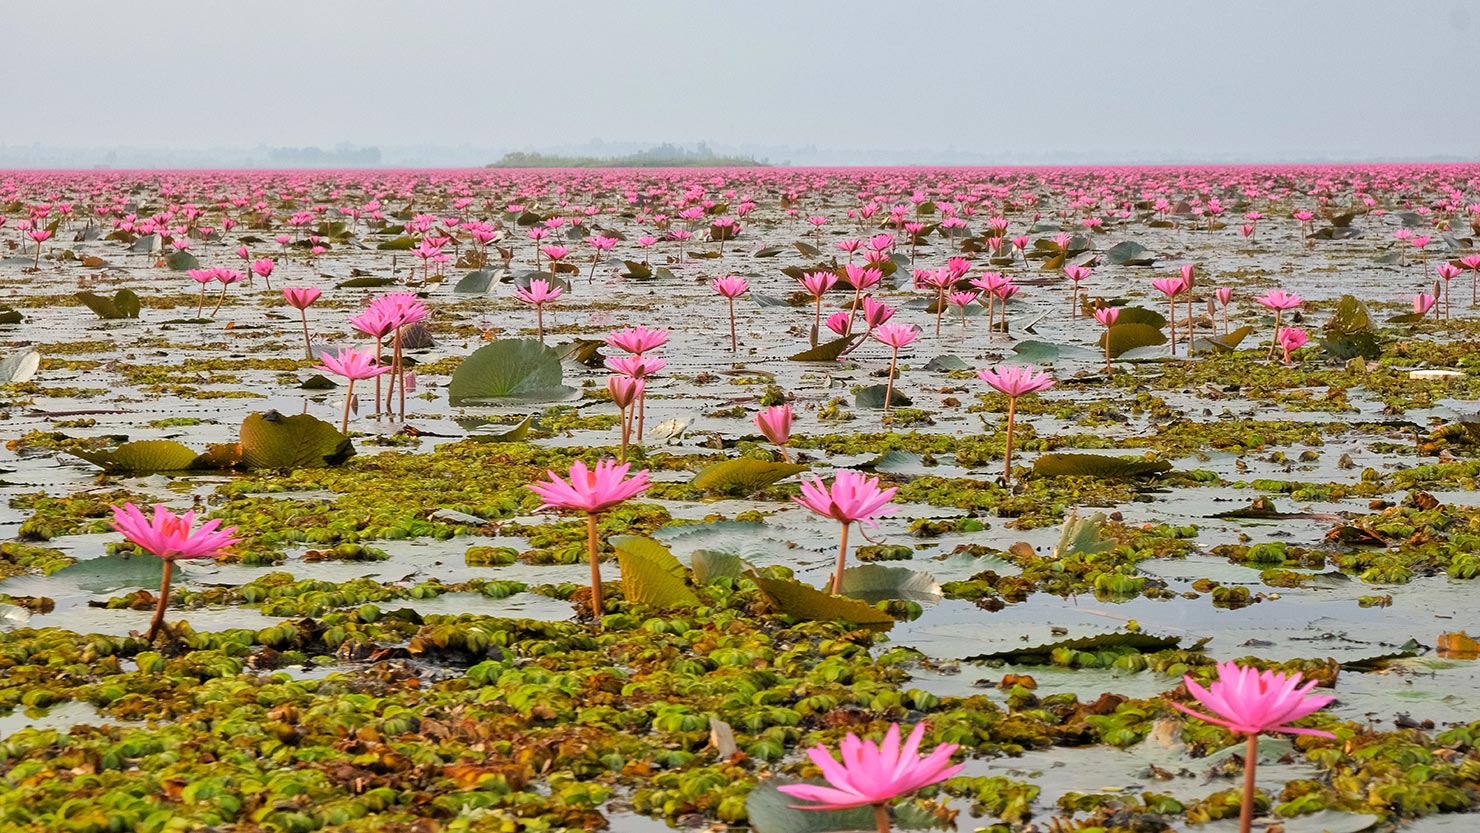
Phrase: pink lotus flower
(1014, 382)
(1279, 300)
(876, 313)
(775, 424)
(626, 391)
(1293, 338)
(263, 268)
(1106, 316)
(537, 294)
(638, 367)
(1423, 303)
(170, 538)
(300, 298)
(840, 323)
(637, 340)
(732, 287)
(592, 491)
(1249, 702)
(352, 365)
(895, 336)
(851, 498)
(871, 774)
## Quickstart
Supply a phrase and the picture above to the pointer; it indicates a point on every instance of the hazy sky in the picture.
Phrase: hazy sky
(1349, 78)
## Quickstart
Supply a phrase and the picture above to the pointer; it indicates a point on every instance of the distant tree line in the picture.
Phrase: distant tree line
(662, 156)
(342, 156)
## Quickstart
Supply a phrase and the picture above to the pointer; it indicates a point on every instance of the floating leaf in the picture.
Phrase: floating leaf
(110, 573)
(1082, 536)
(1130, 253)
(793, 598)
(637, 270)
(365, 283)
(744, 475)
(1347, 347)
(650, 573)
(19, 367)
(477, 282)
(123, 304)
(143, 456)
(827, 352)
(770, 811)
(1140, 315)
(769, 251)
(1409, 318)
(181, 261)
(876, 583)
(1042, 654)
(520, 369)
(710, 565)
(399, 244)
(1227, 342)
(318, 381)
(807, 249)
(273, 441)
(514, 435)
(1351, 317)
(873, 397)
(1126, 337)
(1066, 464)
(946, 364)
(10, 316)
(585, 351)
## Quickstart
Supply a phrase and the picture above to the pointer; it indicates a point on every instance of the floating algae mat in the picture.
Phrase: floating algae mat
(1195, 445)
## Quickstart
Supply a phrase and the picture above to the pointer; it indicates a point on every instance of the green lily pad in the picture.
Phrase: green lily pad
(518, 369)
(365, 283)
(143, 456)
(828, 351)
(873, 397)
(650, 573)
(476, 283)
(709, 565)
(1140, 315)
(110, 573)
(273, 441)
(1126, 337)
(1042, 654)
(744, 475)
(182, 261)
(875, 583)
(397, 244)
(1130, 253)
(514, 435)
(318, 381)
(123, 304)
(770, 811)
(1350, 318)
(794, 598)
(1067, 464)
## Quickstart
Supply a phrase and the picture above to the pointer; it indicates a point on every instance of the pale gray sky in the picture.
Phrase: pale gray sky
(1332, 78)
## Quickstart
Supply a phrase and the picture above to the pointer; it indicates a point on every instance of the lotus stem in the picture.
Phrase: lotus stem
(1172, 323)
(307, 345)
(220, 300)
(889, 387)
(539, 322)
(881, 817)
(164, 601)
(1007, 458)
(734, 345)
(1251, 756)
(591, 535)
(1190, 345)
(349, 396)
(1276, 340)
(200, 303)
(837, 582)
